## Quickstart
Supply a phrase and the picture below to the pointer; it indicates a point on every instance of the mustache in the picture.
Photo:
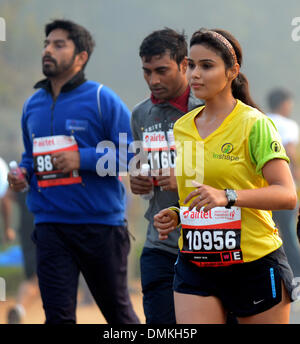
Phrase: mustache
(157, 88)
(49, 58)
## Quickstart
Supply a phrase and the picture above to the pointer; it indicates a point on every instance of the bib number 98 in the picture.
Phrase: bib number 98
(43, 163)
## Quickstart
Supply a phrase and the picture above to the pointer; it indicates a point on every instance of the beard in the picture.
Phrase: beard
(54, 69)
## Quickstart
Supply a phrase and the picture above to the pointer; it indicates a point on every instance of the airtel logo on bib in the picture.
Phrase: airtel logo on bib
(197, 214)
(155, 137)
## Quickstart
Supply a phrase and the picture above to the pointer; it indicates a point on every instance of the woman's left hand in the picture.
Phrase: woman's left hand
(207, 197)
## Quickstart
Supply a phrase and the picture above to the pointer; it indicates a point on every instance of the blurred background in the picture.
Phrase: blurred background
(264, 29)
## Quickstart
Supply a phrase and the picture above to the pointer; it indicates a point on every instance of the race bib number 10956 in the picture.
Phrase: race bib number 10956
(212, 238)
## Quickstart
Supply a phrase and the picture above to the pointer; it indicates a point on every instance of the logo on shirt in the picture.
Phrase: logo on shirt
(275, 146)
(227, 148)
(78, 125)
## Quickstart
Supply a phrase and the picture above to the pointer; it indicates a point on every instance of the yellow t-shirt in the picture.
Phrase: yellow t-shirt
(232, 157)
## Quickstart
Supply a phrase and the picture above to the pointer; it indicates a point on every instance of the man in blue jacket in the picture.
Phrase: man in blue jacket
(79, 213)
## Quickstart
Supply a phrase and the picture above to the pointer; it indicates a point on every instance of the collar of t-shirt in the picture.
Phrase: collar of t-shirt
(181, 102)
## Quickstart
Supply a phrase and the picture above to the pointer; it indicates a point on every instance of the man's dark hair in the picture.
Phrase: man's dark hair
(162, 41)
(277, 96)
(81, 37)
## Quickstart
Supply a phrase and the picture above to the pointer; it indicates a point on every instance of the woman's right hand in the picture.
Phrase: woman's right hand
(165, 222)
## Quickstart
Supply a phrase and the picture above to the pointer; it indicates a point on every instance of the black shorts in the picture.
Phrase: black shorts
(244, 289)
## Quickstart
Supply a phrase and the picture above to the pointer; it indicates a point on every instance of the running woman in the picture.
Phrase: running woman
(231, 257)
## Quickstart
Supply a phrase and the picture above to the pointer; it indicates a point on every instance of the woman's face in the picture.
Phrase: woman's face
(206, 73)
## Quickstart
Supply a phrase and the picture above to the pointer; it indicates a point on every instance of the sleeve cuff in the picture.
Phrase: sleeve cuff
(177, 211)
(262, 163)
(88, 159)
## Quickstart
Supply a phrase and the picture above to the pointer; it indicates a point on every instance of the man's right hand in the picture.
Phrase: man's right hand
(141, 185)
(15, 183)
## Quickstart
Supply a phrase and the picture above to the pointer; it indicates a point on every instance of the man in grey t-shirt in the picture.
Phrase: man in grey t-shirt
(163, 54)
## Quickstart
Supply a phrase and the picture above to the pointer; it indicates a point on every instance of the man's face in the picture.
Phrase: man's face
(163, 76)
(58, 54)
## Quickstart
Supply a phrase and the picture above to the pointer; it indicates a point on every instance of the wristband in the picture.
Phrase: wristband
(177, 211)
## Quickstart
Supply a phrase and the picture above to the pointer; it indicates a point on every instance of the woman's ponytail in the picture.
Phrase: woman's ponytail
(240, 90)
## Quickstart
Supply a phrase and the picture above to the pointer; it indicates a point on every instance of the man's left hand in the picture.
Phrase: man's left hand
(167, 179)
(66, 161)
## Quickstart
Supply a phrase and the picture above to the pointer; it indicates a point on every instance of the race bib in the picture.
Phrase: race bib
(160, 149)
(47, 175)
(212, 238)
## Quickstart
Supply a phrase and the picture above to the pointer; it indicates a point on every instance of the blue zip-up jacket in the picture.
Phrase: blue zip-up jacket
(91, 113)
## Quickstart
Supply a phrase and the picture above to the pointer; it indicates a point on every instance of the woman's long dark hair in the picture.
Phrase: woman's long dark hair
(240, 85)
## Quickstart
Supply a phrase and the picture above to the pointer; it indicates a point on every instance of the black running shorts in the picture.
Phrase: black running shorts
(244, 289)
